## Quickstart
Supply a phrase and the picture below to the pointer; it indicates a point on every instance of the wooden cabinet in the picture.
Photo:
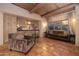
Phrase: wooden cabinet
(10, 25)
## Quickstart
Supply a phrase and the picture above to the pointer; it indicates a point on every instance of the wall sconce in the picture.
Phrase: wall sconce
(44, 24)
(29, 22)
(73, 20)
(18, 26)
(73, 25)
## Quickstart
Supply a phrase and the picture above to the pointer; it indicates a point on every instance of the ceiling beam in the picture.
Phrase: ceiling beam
(36, 6)
(56, 9)
(57, 6)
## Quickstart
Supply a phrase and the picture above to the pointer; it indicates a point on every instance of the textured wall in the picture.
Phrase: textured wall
(77, 25)
(43, 26)
(58, 17)
(1, 28)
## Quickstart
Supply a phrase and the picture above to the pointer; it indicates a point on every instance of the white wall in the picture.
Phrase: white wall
(43, 26)
(13, 9)
(1, 28)
(58, 17)
(77, 24)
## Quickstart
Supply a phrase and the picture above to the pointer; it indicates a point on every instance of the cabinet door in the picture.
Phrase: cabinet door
(6, 27)
(13, 24)
(9, 25)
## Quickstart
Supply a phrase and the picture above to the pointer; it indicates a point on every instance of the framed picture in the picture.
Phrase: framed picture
(65, 28)
(51, 26)
(57, 26)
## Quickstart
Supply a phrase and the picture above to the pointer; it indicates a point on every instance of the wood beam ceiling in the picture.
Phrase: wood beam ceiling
(34, 7)
(63, 10)
(27, 6)
(56, 9)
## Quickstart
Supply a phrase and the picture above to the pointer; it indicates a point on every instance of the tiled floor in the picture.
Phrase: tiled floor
(45, 47)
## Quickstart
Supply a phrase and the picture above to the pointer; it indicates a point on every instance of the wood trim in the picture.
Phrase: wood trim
(57, 6)
(34, 7)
